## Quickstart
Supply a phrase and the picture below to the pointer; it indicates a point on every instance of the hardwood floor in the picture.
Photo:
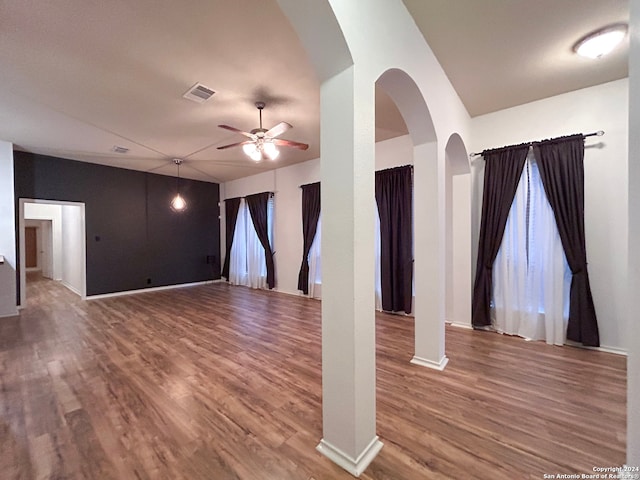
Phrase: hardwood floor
(220, 382)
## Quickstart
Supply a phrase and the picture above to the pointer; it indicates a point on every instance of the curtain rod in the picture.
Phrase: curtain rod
(376, 171)
(305, 184)
(599, 133)
(271, 194)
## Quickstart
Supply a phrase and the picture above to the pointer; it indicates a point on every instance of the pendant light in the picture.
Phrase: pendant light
(178, 203)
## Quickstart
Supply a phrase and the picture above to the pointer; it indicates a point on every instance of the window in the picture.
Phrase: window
(247, 261)
(531, 277)
(315, 264)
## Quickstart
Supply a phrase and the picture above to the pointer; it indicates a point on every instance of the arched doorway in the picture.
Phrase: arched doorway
(457, 233)
(429, 327)
(334, 34)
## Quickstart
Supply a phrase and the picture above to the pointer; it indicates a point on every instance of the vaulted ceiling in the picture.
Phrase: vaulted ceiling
(81, 77)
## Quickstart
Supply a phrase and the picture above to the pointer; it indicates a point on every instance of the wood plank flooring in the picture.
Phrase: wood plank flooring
(220, 382)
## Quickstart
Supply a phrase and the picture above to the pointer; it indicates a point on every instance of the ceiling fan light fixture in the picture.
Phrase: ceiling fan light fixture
(601, 42)
(270, 150)
(264, 143)
(249, 148)
(255, 155)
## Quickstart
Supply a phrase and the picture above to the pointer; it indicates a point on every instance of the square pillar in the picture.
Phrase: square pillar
(429, 256)
(348, 314)
(7, 233)
(633, 280)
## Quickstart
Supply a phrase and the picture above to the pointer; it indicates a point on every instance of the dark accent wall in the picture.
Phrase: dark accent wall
(134, 239)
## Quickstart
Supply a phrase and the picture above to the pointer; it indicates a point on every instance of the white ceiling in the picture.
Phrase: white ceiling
(79, 77)
(503, 53)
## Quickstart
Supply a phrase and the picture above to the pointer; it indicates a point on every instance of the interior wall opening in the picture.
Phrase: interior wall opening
(52, 238)
(458, 279)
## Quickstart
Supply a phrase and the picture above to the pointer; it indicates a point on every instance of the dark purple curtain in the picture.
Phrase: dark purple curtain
(310, 215)
(257, 205)
(394, 192)
(503, 167)
(231, 207)
(561, 166)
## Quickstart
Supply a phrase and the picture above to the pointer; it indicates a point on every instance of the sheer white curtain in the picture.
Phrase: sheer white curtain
(247, 265)
(376, 246)
(238, 255)
(531, 277)
(315, 264)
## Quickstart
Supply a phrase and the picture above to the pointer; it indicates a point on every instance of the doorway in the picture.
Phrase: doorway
(58, 231)
(31, 248)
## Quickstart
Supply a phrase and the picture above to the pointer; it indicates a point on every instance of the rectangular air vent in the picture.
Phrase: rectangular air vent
(199, 93)
(118, 149)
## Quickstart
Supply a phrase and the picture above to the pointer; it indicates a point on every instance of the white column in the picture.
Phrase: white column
(7, 233)
(633, 281)
(348, 316)
(461, 231)
(429, 256)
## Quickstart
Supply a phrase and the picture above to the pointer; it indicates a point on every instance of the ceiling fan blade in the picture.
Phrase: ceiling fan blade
(237, 130)
(290, 143)
(279, 129)
(234, 144)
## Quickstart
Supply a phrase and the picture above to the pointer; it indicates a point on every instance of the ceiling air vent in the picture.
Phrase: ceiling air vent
(118, 149)
(199, 93)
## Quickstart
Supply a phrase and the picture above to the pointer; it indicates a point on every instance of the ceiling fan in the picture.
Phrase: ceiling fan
(263, 144)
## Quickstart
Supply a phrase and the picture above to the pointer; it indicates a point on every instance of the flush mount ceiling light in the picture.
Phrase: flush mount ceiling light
(178, 203)
(601, 42)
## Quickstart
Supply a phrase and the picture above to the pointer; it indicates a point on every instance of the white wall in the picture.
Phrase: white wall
(45, 211)
(7, 233)
(285, 182)
(459, 291)
(604, 107)
(633, 279)
(394, 152)
(72, 248)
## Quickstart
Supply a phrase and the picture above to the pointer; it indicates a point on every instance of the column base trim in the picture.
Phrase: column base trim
(354, 467)
(423, 362)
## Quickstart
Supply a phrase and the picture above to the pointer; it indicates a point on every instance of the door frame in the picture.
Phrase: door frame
(37, 247)
(21, 225)
(47, 248)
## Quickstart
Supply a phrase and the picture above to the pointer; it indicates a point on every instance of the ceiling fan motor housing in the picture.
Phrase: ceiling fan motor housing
(259, 132)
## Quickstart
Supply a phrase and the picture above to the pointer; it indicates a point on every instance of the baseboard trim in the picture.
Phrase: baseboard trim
(150, 290)
(287, 292)
(297, 293)
(461, 325)
(423, 362)
(71, 287)
(354, 466)
(7, 315)
(604, 348)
